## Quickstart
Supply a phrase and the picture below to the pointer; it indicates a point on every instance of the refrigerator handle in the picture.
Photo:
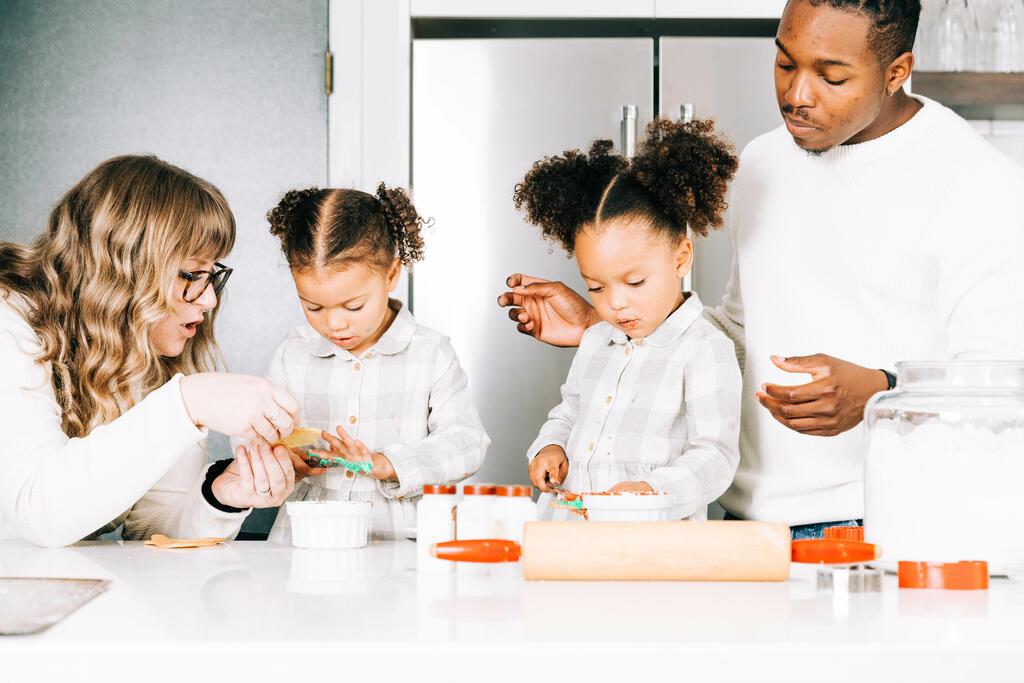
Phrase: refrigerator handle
(628, 130)
(686, 115)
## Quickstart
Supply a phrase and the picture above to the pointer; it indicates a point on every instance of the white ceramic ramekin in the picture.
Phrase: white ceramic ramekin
(629, 507)
(329, 523)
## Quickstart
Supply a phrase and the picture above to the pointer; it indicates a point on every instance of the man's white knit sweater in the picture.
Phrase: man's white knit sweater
(906, 247)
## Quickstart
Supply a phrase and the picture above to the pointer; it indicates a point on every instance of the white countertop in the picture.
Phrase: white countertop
(253, 611)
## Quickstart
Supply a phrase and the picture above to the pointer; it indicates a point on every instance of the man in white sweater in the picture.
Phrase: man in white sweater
(872, 227)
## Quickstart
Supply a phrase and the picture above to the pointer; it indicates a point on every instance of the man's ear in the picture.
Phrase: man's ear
(897, 73)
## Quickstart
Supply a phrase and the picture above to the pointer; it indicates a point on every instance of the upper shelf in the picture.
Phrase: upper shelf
(598, 9)
(974, 94)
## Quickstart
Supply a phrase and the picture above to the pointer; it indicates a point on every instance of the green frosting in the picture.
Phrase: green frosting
(571, 504)
(362, 467)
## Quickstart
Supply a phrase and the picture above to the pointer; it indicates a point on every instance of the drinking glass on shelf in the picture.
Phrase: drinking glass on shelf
(925, 45)
(1007, 36)
(956, 37)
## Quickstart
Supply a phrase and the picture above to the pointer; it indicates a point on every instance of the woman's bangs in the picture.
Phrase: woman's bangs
(210, 233)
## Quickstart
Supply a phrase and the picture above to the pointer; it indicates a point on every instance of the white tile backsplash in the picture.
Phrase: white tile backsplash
(983, 127)
(1011, 145)
(1007, 136)
(1015, 128)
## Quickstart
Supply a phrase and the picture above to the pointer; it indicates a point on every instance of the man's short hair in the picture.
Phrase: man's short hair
(893, 24)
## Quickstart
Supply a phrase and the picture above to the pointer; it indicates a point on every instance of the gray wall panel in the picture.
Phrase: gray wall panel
(231, 91)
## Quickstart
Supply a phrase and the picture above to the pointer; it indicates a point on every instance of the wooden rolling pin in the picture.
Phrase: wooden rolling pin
(641, 551)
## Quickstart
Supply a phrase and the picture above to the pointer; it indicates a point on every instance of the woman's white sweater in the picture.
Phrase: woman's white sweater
(144, 469)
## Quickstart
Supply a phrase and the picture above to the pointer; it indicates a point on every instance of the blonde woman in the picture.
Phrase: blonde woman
(106, 342)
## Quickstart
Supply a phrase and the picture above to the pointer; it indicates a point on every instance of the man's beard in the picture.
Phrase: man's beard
(816, 152)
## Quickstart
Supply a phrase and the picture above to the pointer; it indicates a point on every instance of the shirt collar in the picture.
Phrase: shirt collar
(672, 328)
(394, 340)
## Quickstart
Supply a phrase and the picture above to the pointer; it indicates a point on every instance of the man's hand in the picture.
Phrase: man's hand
(548, 311)
(831, 403)
(550, 464)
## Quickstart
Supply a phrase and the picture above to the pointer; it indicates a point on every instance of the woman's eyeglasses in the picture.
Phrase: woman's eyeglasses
(199, 280)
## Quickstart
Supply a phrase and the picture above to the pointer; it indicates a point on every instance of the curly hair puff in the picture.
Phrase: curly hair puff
(405, 223)
(329, 228)
(678, 178)
(562, 193)
(686, 169)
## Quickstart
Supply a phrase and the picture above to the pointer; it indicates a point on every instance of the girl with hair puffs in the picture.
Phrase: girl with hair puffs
(652, 400)
(392, 389)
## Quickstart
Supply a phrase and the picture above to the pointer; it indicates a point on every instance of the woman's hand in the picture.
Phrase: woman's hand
(550, 465)
(239, 405)
(344, 446)
(260, 477)
(548, 311)
(632, 487)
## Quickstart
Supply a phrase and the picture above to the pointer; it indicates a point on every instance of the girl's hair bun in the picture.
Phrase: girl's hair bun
(404, 223)
(562, 193)
(296, 206)
(686, 169)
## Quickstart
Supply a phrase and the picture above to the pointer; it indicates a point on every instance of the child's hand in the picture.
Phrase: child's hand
(632, 487)
(550, 464)
(301, 466)
(356, 451)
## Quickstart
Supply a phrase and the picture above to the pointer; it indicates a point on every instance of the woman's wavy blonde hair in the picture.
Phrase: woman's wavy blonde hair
(102, 275)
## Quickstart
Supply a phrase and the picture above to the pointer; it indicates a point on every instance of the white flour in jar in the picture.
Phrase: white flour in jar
(945, 493)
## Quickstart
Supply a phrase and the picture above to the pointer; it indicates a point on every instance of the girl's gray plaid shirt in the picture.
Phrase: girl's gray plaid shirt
(664, 410)
(406, 397)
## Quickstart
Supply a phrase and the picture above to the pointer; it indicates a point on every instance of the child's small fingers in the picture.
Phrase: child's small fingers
(334, 441)
(346, 438)
(324, 455)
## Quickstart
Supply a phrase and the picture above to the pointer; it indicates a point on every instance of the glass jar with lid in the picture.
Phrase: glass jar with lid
(944, 469)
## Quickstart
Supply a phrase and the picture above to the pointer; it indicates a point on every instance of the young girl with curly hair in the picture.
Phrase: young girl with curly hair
(392, 389)
(652, 400)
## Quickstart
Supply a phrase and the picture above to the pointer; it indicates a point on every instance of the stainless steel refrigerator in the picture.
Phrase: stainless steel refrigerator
(483, 110)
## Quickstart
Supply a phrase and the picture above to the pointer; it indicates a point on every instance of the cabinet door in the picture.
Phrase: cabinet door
(730, 80)
(483, 112)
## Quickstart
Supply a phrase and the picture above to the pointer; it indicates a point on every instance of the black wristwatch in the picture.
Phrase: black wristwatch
(889, 378)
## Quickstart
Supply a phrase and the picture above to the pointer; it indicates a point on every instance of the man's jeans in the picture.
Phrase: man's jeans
(816, 530)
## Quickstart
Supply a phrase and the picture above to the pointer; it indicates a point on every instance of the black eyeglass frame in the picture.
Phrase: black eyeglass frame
(219, 276)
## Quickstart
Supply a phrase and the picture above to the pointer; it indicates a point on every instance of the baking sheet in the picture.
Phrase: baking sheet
(31, 605)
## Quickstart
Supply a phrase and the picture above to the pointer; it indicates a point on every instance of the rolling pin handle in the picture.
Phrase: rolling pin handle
(477, 550)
